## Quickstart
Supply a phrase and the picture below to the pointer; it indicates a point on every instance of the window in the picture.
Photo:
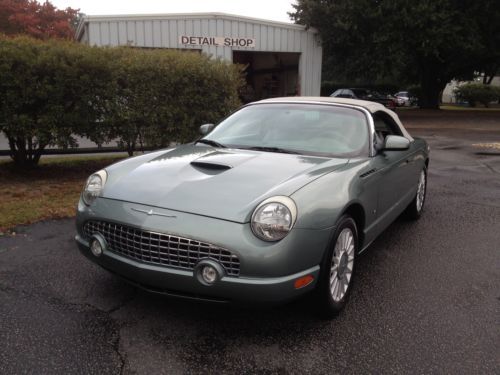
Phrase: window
(308, 129)
(384, 126)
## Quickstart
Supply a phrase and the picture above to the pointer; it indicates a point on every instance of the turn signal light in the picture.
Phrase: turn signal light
(303, 281)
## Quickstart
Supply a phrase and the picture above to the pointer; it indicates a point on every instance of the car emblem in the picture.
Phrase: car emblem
(151, 213)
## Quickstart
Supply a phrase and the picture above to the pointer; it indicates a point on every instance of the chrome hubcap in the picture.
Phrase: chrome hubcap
(421, 191)
(342, 264)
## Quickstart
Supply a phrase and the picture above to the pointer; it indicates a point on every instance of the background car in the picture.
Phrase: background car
(366, 94)
(405, 99)
(274, 202)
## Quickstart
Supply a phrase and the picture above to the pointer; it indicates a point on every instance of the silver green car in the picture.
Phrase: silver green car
(274, 202)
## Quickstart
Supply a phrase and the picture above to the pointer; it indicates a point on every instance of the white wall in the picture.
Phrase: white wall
(164, 31)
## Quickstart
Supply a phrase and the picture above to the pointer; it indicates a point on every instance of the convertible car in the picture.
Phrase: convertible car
(274, 202)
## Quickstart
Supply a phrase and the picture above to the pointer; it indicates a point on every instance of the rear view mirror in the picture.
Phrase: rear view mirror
(206, 128)
(396, 142)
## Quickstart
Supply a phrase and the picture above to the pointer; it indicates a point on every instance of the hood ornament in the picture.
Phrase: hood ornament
(151, 213)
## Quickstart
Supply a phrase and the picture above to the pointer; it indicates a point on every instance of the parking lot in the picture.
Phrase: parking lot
(426, 297)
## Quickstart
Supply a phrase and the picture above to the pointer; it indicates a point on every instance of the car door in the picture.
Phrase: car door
(396, 173)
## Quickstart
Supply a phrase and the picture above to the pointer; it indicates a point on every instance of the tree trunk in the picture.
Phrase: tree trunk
(141, 143)
(432, 89)
(130, 148)
(24, 157)
(38, 154)
(489, 74)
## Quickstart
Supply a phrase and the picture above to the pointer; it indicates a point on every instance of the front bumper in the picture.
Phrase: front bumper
(184, 284)
(268, 270)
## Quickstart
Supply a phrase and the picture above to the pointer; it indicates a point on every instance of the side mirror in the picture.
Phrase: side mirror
(206, 128)
(395, 143)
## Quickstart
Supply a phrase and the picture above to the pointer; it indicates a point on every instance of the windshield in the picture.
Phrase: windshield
(321, 130)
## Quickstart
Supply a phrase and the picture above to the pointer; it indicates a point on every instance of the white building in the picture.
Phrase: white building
(282, 59)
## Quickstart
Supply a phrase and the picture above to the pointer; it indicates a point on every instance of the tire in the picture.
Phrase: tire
(416, 207)
(337, 269)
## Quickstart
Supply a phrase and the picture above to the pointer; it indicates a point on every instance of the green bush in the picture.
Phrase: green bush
(51, 91)
(162, 96)
(45, 90)
(474, 93)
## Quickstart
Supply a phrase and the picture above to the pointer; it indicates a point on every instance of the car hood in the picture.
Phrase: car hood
(220, 183)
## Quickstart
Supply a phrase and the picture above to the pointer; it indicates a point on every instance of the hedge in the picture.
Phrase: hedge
(474, 93)
(52, 91)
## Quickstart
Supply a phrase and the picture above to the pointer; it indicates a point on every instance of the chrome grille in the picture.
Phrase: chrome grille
(159, 248)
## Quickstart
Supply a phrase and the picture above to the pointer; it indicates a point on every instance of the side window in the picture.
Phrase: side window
(384, 126)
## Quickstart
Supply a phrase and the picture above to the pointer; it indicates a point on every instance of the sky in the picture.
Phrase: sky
(275, 10)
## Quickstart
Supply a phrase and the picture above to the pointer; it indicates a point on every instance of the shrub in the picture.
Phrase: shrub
(162, 96)
(51, 91)
(475, 93)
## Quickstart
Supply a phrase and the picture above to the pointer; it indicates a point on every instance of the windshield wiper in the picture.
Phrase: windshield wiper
(272, 149)
(210, 143)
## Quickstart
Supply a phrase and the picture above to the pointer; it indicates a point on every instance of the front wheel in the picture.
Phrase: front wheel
(338, 269)
(415, 208)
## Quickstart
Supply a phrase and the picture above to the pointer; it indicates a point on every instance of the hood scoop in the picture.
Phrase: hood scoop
(220, 161)
(210, 165)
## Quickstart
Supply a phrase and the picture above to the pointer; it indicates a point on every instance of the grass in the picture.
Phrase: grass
(51, 190)
(452, 107)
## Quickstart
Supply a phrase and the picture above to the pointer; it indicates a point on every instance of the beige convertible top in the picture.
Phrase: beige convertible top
(371, 107)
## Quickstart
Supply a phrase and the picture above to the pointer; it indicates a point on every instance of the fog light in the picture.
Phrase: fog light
(97, 245)
(209, 274)
(96, 248)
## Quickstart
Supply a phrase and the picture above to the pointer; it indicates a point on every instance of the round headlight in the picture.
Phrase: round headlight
(93, 187)
(274, 218)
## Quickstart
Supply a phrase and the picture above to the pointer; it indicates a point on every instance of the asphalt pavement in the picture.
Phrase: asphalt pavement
(426, 299)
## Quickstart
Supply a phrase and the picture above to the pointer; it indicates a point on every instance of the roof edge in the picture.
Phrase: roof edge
(215, 15)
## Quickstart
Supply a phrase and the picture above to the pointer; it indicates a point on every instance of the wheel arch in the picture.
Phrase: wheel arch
(357, 212)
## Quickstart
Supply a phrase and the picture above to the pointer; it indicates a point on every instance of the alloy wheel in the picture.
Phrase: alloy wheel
(421, 191)
(342, 264)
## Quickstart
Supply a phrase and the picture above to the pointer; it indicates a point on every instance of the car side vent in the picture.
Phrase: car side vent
(212, 166)
(367, 173)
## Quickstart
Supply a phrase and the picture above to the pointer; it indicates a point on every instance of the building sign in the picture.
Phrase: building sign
(220, 41)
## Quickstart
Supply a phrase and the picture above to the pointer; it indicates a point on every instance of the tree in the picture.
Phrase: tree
(426, 42)
(49, 92)
(39, 20)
